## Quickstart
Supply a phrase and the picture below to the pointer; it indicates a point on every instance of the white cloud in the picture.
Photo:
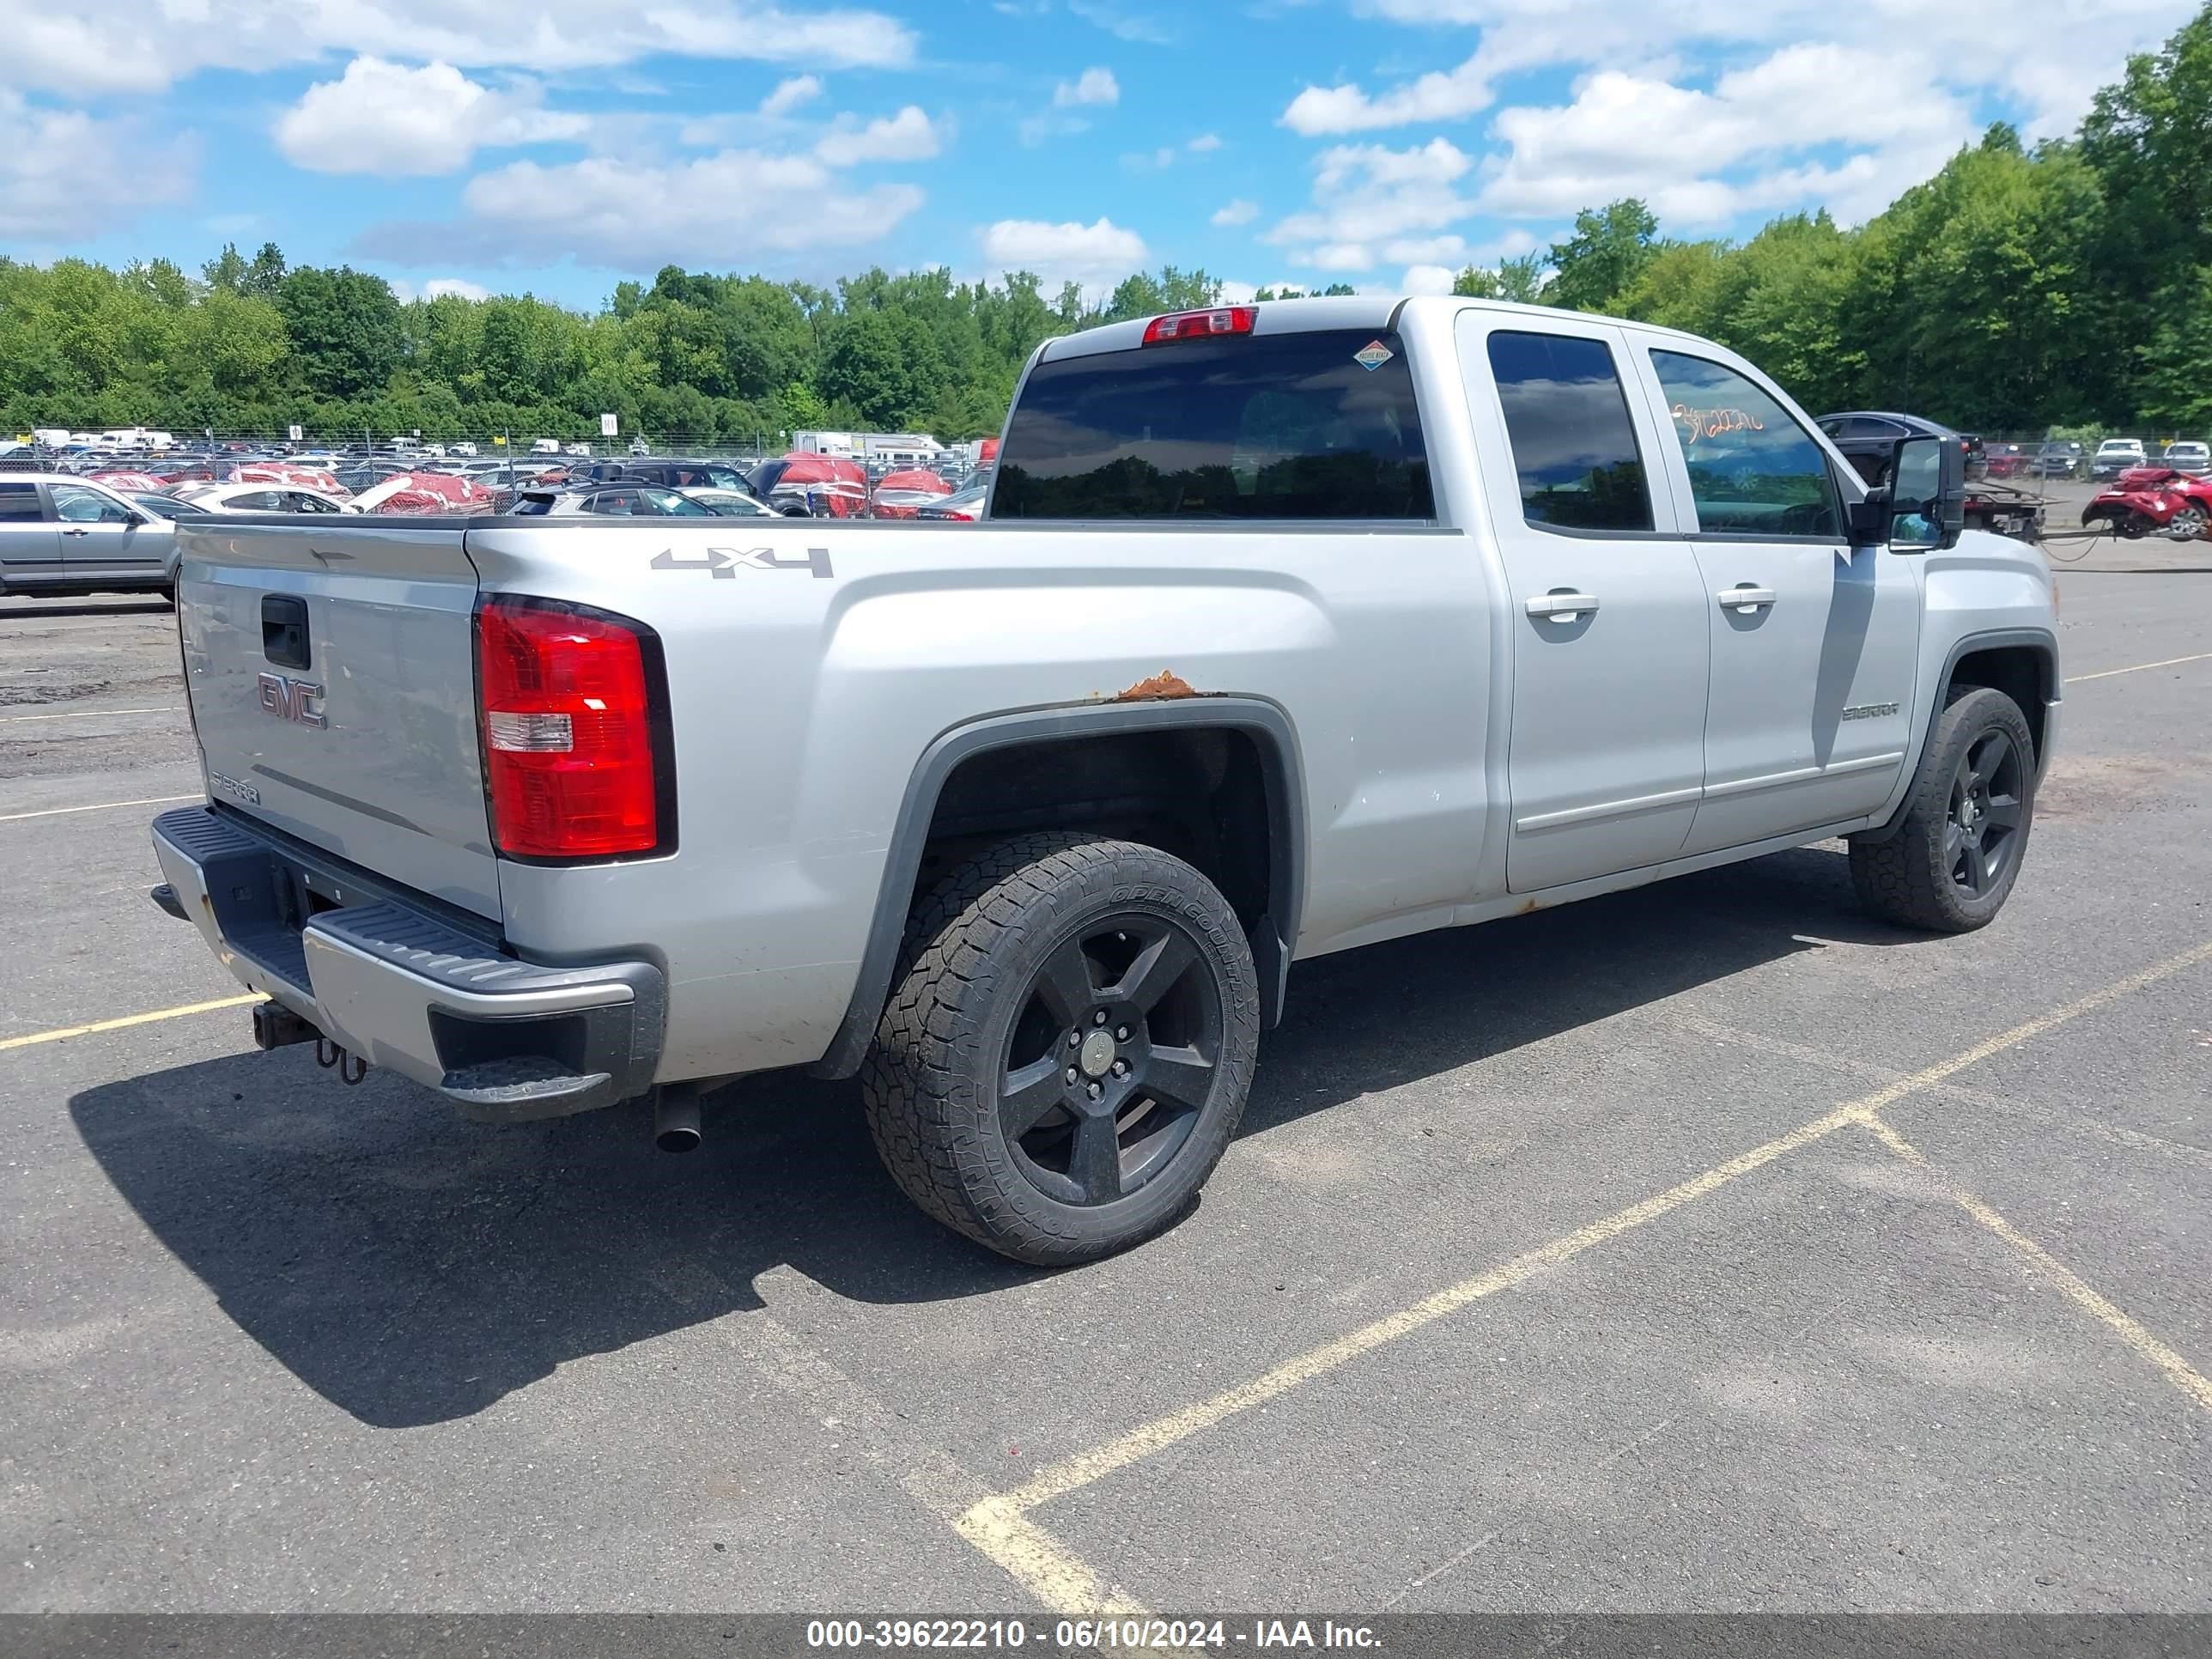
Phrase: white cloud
(100, 47)
(1364, 193)
(1203, 142)
(908, 136)
(1427, 279)
(1952, 45)
(437, 287)
(66, 177)
(1093, 85)
(1097, 256)
(1125, 25)
(1439, 95)
(790, 93)
(1158, 161)
(1747, 128)
(527, 214)
(1238, 212)
(1340, 256)
(384, 118)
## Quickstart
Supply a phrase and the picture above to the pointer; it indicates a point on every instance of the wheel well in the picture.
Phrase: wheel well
(1201, 793)
(2020, 672)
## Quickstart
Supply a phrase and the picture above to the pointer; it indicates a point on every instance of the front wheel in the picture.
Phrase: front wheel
(1067, 1054)
(1952, 863)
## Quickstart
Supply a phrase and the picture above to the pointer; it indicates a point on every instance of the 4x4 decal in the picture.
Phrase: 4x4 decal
(723, 562)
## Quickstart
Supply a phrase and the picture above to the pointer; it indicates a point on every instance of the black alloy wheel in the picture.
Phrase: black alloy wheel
(1109, 1065)
(1982, 832)
(1069, 1047)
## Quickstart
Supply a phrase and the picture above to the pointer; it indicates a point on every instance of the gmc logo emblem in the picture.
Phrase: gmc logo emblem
(291, 700)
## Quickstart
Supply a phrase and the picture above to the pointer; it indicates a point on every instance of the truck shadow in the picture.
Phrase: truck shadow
(411, 1267)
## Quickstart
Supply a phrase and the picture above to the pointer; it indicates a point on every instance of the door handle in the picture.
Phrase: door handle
(1562, 606)
(1744, 599)
(76, 532)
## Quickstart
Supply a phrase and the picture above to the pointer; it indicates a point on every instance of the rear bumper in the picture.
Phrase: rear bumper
(503, 1039)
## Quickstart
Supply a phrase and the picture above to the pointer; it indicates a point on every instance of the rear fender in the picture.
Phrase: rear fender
(1272, 936)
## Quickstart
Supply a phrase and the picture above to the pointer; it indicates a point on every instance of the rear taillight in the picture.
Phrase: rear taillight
(568, 732)
(1200, 325)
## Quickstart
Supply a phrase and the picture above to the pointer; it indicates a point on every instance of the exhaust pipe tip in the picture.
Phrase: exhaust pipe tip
(676, 1118)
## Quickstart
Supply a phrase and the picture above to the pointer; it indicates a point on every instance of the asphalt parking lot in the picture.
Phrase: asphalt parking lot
(1705, 1248)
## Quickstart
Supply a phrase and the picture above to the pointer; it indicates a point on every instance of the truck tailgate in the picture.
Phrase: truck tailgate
(334, 693)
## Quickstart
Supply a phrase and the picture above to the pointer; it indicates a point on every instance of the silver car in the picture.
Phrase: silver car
(65, 535)
(618, 500)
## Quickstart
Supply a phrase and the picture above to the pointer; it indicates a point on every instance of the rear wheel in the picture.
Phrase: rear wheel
(1069, 1053)
(1952, 863)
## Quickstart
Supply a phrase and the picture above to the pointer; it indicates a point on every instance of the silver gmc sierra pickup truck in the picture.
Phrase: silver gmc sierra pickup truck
(1291, 629)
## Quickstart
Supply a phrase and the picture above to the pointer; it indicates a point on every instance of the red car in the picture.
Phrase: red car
(2156, 500)
(803, 484)
(903, 495)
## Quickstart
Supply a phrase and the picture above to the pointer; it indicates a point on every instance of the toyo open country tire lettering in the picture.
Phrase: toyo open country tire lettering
(1953, 861)
(1069, 1047)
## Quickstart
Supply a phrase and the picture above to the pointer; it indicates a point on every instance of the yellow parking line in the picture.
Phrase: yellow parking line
(97, 806)
(127, 1019)
(2171, 662)
(90, 714)
(993, 1521)
(2179, 1371)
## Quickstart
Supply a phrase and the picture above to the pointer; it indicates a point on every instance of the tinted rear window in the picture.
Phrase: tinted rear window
(1573, 443)
(1311, 425)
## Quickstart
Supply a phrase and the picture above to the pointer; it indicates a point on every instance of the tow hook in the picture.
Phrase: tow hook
(352, 1067)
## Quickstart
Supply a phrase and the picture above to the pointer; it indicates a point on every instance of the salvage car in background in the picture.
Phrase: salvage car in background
(962, 507)
(65, 535)
(262, 498)
(619, 500)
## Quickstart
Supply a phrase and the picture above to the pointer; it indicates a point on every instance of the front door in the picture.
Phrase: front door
(1610, 642)
(1815, 644)
(104, 540)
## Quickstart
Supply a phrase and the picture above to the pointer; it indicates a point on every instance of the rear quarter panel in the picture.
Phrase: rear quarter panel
(811, 665)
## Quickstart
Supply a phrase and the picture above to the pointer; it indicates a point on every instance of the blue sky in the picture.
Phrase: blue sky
(561, 147)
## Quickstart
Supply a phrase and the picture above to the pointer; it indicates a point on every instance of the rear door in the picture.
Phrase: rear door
(1815, 644)
(30, 546)
(1610, 642)
(332, 681)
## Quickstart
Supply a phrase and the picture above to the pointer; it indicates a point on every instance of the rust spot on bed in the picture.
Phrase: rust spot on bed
(1165, 685)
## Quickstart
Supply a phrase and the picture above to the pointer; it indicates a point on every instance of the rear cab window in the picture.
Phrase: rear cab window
(1312, 424)
(1574, 445)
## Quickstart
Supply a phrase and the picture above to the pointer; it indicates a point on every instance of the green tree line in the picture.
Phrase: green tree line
(2070, 284)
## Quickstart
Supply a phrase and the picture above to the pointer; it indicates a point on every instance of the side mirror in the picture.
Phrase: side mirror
(1927, 505)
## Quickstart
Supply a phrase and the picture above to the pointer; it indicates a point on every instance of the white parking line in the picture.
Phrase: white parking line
(90, 714)
(97, 806)
(2137, 668)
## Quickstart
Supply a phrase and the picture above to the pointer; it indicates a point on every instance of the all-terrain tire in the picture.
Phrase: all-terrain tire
(976, 946)
(1908, 878)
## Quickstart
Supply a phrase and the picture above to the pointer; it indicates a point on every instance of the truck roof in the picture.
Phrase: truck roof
(1376, 311)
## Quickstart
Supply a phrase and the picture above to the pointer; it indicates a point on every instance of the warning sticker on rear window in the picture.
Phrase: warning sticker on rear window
(1372, 356)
